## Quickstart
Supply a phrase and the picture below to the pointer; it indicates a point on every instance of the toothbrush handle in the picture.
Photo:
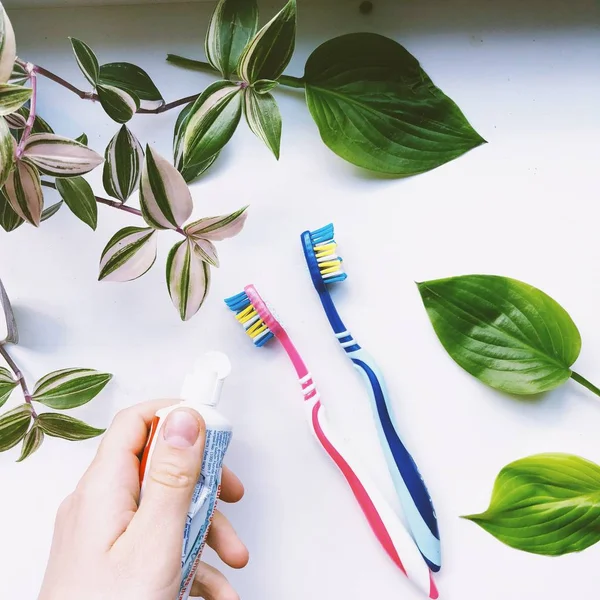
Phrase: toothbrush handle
(413, 494)
(384, 522)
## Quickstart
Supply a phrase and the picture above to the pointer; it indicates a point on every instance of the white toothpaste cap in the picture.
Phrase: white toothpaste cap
(203, 385)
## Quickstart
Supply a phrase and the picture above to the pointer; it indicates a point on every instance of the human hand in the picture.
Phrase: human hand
(105, 548)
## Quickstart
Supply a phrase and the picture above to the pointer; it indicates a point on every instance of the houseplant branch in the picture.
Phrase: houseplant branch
(20, 377)
(32, 109)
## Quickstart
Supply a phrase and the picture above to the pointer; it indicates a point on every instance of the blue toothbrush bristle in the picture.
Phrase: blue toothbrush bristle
(324, 246)
(250, 320)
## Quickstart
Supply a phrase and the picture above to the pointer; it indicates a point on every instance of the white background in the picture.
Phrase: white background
(524, 205)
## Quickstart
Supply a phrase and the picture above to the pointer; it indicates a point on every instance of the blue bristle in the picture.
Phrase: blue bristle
(326, 234)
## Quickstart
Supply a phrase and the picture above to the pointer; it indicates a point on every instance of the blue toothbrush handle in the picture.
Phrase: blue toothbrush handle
(414, 497)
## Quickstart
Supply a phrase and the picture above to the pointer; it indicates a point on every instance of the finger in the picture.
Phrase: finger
(232, 489)
(169, 482)
(223, 539)
(211, 584)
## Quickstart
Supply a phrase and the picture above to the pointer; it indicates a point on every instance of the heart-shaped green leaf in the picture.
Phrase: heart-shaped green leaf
(69, 388)
(31, 442)
(7, 152)
(9, 219)
(23, 189)
(119, 105)
(50, 211)
(506, 333)
(12, 97)
(232, 26)
(264, 118)
(129, 254)
(546, 504)
(14, 425)
(7, 385)
(188, 278)
(270, 50)
(67, 428)
(8, 46)
(122, 165)
(134, 80)
(86, 59)
(79, 197)
(376, 107)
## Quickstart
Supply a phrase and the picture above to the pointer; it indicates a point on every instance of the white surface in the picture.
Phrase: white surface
(526, 75)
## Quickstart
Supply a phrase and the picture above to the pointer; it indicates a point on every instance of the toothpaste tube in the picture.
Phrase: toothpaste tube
(201, 391)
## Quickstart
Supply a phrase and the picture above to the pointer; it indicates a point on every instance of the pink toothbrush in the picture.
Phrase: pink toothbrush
(262, 326)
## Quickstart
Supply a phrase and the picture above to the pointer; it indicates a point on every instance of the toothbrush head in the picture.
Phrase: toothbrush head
(323, 262)
(254, 315)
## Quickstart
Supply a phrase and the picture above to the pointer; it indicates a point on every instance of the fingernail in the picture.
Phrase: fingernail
(181, 429)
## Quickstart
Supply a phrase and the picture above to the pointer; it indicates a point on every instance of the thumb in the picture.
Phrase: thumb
(169, 483)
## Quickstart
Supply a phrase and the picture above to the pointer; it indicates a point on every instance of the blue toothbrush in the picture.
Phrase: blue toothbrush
(325, 267)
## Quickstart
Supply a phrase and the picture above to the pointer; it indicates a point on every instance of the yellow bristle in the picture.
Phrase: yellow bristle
(247, 312)
(256, 329)
(330, 270)
(329, 263)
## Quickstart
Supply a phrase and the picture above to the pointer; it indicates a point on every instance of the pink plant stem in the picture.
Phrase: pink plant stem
(20, 378)
(31, 119)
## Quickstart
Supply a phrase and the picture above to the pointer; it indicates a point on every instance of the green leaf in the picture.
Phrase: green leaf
(8, 47)
(23, 190)
(14, 425)
(12, 97)
(165, 198)
(86, 59)
(9, 333)
(79, 197)
(31, 442)
(50, 211)
(39, 125)
(19, 75)
(7, 385)
(218, 228)
(67, 428)
(191, 172)
(506, 333)
(119, 105)
(122, 165)
(188, 278)
(129, 254)
(69, 388)
(262, 86)
(271, 49)
(82, 139)
(547, 504)
(264, 118)
(9, 219)
(376, 107)
(7, 152)
(135, 81)
(232, 26)
(211, 122)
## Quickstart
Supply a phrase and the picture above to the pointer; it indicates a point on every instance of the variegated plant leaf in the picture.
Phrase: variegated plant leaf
(79, 197)
(16, 120)
(7, 385)
(69, 388)
(23, 189)
(50, 211)
(14, 425)
(188, 278)
(165, 198)
(9, 334)
(134, 80)
(12, 97)
(119, 105)
(264, 118)
(86, 59)
(207, 251)
(191, 172)
(211, 122)
(232, 26)
(9, 219)
(31, 442)
(122, 165)
(262, 86)
(217, 228)
(129, 254)
(19, 75)
(67, 428)
(271, 49)
(7, 152)
(59, 156)
(8, 46)
(82, 139)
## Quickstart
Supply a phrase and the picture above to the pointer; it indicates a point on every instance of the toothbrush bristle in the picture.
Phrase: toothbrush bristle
(324, 246)
(250, 320)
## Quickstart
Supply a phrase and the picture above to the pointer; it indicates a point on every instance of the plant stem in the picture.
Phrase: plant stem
(32, 108)
(585, 383)
(199, 65)
(20, 377)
